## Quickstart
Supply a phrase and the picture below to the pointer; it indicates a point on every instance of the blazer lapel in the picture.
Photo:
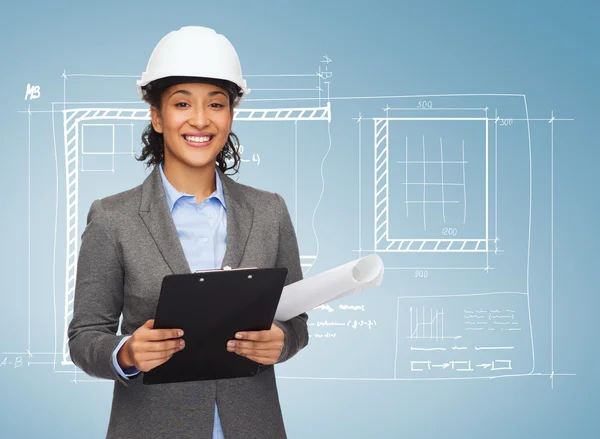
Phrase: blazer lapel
(240, 215)
(157, 218)
(154, 211)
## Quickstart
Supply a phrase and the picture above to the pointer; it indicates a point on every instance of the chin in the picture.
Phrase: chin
(199, 162)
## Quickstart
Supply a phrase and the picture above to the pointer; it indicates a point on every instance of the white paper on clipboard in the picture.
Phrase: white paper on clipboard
(351, 278)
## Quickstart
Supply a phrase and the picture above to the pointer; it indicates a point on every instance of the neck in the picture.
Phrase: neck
(194, 181)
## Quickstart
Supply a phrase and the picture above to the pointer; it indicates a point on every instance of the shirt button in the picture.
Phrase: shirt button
(205, 239)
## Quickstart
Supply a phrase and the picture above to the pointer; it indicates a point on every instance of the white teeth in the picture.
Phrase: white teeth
(197, 139)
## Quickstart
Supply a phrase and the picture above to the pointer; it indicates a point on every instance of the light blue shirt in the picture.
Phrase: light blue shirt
(202, 230)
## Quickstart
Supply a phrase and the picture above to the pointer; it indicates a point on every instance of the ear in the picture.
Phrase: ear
(156, 119)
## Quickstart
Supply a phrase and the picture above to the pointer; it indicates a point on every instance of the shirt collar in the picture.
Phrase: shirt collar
(173, 194)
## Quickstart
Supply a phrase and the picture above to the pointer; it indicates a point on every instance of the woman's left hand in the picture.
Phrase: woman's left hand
(264, 347)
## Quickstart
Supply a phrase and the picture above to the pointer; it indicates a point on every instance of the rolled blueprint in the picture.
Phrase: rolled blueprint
(345, 280)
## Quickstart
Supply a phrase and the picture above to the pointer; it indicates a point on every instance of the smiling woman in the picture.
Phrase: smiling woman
(191, 128)
(187, 215)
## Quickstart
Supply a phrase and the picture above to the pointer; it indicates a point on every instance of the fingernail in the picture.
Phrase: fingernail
(238, 335)
(181, 343)
(231, 344)
(180, 333)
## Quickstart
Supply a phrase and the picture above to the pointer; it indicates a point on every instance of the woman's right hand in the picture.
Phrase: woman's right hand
(148, 348)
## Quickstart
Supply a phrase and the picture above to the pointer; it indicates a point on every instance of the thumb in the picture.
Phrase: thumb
(149, 324)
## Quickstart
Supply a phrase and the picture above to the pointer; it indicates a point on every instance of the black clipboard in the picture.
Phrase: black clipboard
(210, 307)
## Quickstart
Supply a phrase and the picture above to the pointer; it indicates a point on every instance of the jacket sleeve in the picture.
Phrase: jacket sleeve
(295, 330)
(98, 300)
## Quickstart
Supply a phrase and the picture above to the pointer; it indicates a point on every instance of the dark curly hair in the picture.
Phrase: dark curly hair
(153, 151)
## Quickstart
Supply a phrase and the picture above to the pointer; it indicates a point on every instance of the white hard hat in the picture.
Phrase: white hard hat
(194, 51)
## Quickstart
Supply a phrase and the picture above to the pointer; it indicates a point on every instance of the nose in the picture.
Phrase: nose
(199, 118)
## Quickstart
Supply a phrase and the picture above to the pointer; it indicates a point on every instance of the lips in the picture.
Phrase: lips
(198, 141)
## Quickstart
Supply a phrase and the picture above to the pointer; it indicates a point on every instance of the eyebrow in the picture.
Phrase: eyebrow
(187, 93)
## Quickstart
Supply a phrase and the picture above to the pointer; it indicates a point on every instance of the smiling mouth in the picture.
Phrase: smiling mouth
(197, 141)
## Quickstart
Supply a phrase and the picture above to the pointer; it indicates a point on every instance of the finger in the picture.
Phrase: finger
(164, 354)
(149, 324)
(159, 346)
(152, 356)
(162, 334)
(258, 345)
(259, 353)
(255, 335)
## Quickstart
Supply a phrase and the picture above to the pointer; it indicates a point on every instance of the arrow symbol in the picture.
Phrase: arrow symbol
(443, 366)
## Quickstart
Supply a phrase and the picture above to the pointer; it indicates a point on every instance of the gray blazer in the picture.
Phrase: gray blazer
(129, 244)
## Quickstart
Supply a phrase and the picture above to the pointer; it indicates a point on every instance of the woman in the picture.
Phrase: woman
(186, 216)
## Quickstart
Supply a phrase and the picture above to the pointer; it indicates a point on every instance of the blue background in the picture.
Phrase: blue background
(544, 50)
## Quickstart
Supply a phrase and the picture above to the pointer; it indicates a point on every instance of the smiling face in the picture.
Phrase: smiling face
(195, 120)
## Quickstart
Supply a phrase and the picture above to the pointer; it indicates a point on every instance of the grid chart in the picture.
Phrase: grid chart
(421, 140)
(73, 118)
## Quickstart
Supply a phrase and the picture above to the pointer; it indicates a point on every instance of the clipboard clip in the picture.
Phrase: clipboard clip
(226, 268)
